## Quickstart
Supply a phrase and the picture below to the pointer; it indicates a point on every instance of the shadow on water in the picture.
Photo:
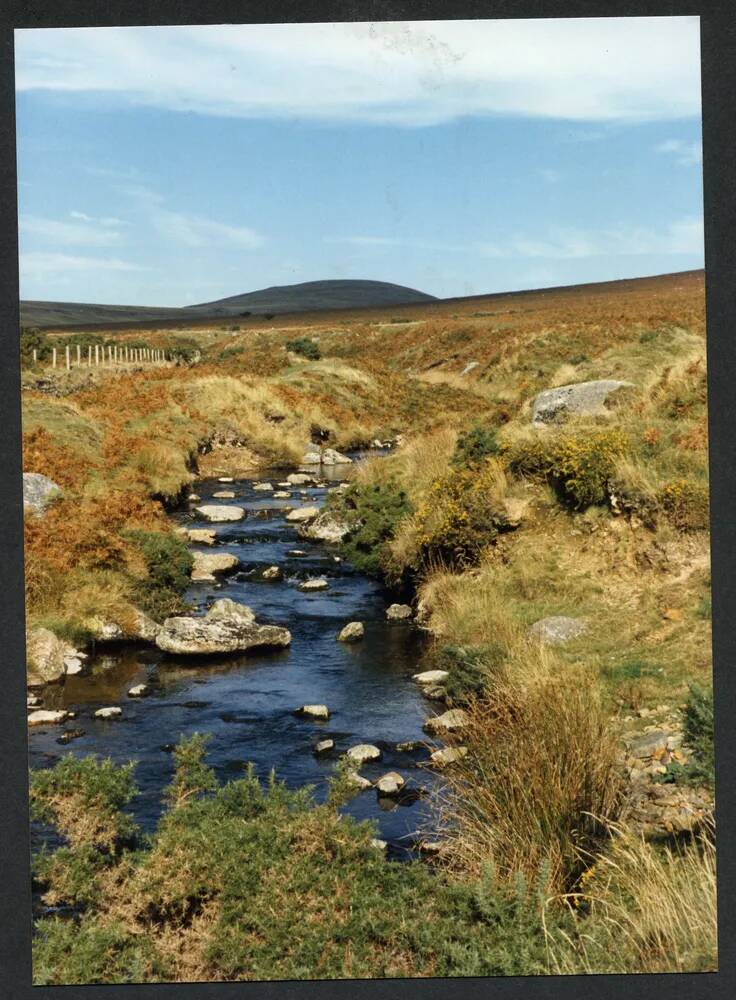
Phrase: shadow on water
(247, 703)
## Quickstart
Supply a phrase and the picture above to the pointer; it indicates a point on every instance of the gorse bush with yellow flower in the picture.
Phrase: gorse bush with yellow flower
(461, 517)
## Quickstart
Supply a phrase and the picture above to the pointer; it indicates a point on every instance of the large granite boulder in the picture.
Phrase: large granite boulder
(583, 399)
(38, 491)
(448, 722)
(352, 632)
(227, 627)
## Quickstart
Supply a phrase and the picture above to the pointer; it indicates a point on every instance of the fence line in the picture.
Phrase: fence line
(114, 357)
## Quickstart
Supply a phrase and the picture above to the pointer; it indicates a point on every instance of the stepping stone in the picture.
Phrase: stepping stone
(352, 632)
(390, 784)
(314, 711)
(324, 746)
(113, 712)
(139, 691)
(220, 512)
(224, 495)
(46, 717)
(398, 612)
(362, 753)
(317, 584)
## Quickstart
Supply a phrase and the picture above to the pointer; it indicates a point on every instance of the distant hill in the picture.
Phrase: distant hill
(308, 296)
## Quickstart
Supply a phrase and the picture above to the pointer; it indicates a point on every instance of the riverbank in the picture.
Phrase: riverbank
(557, 556)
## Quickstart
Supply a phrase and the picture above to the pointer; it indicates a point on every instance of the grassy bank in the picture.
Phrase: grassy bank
(493, 524)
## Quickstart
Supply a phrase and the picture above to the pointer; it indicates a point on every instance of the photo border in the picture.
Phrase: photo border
(718, 38)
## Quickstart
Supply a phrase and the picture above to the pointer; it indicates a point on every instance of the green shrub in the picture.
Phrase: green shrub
(474, 446)
(372, 514)
(31, 338)
(686, 504)
(698, 733)
(168, 563)
(304, 346)
(253, 881)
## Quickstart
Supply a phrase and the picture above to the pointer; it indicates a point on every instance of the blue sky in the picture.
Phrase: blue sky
(166, 166)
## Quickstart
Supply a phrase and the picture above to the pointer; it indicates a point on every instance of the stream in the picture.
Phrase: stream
(247, 703)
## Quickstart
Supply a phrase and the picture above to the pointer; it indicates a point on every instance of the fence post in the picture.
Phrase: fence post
(89, 355)
(35, 355)
(79, 355)
(67, 358)
(97, 354)
(54, 356)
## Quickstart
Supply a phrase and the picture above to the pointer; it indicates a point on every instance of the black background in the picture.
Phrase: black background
(718, 36)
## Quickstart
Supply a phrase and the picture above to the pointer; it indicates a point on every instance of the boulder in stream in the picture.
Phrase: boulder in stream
(448, 755)
(318, 583)
(324, 746)
(390, 784)
(363, 753)
(324, 528)
(332, 457)
(228, 627)
(220, 512)
(302, 515)
(202, 536)
(45, 654)
(263, 487)
(139, 691)
(206, 564)
(110, 712)
(398, 612)
(272, 573)
(298, 479)
(314, 711)
(352, 632)
(46, 717)
(431, 677)
(448, 722)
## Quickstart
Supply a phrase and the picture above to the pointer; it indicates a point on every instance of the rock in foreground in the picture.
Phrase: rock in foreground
(44, 717)
(324, 528)
(302, 515)
(227, 627)
(390, 784)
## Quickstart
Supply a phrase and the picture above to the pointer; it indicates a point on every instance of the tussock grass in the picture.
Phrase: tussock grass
(650, 910)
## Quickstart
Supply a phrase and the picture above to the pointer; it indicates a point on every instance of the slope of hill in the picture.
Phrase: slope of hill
(307, 296)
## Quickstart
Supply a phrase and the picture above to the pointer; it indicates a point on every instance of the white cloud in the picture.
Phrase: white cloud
(84, 231)
(688, 154)
(43, 265)
(105, 220)
(400, 73)
(187, 228)
(683, 236)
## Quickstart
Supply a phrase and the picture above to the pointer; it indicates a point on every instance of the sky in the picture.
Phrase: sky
(175, 165)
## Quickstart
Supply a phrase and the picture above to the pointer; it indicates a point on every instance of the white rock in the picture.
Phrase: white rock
(224, 495)
(431, 677)
(112, 712)
(362, 753)
(332, 457)
(302, 515)
(194, 497)
(139, 691)
(311, 458)
(202, 536)
(380, 845)
(557, 629)
(33, 701)
(263, 487)
(297, 479)
(390, 784)
(73, 666)
(398, 612)
(314, 711)
(448, 755)
(228, 627)
(220, 512)
(319, 583)
(296, 552)
(324, 746)
(281, 495)
(358, 781)
(225, 479)
(325, 528)
(206, 564)
(45, 717)
(352, 632)
(450, 721)
(272, 573)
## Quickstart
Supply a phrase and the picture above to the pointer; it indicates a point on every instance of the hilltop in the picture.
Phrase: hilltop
(304, 297)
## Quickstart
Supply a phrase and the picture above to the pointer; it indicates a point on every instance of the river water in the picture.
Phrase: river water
(247, 703)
